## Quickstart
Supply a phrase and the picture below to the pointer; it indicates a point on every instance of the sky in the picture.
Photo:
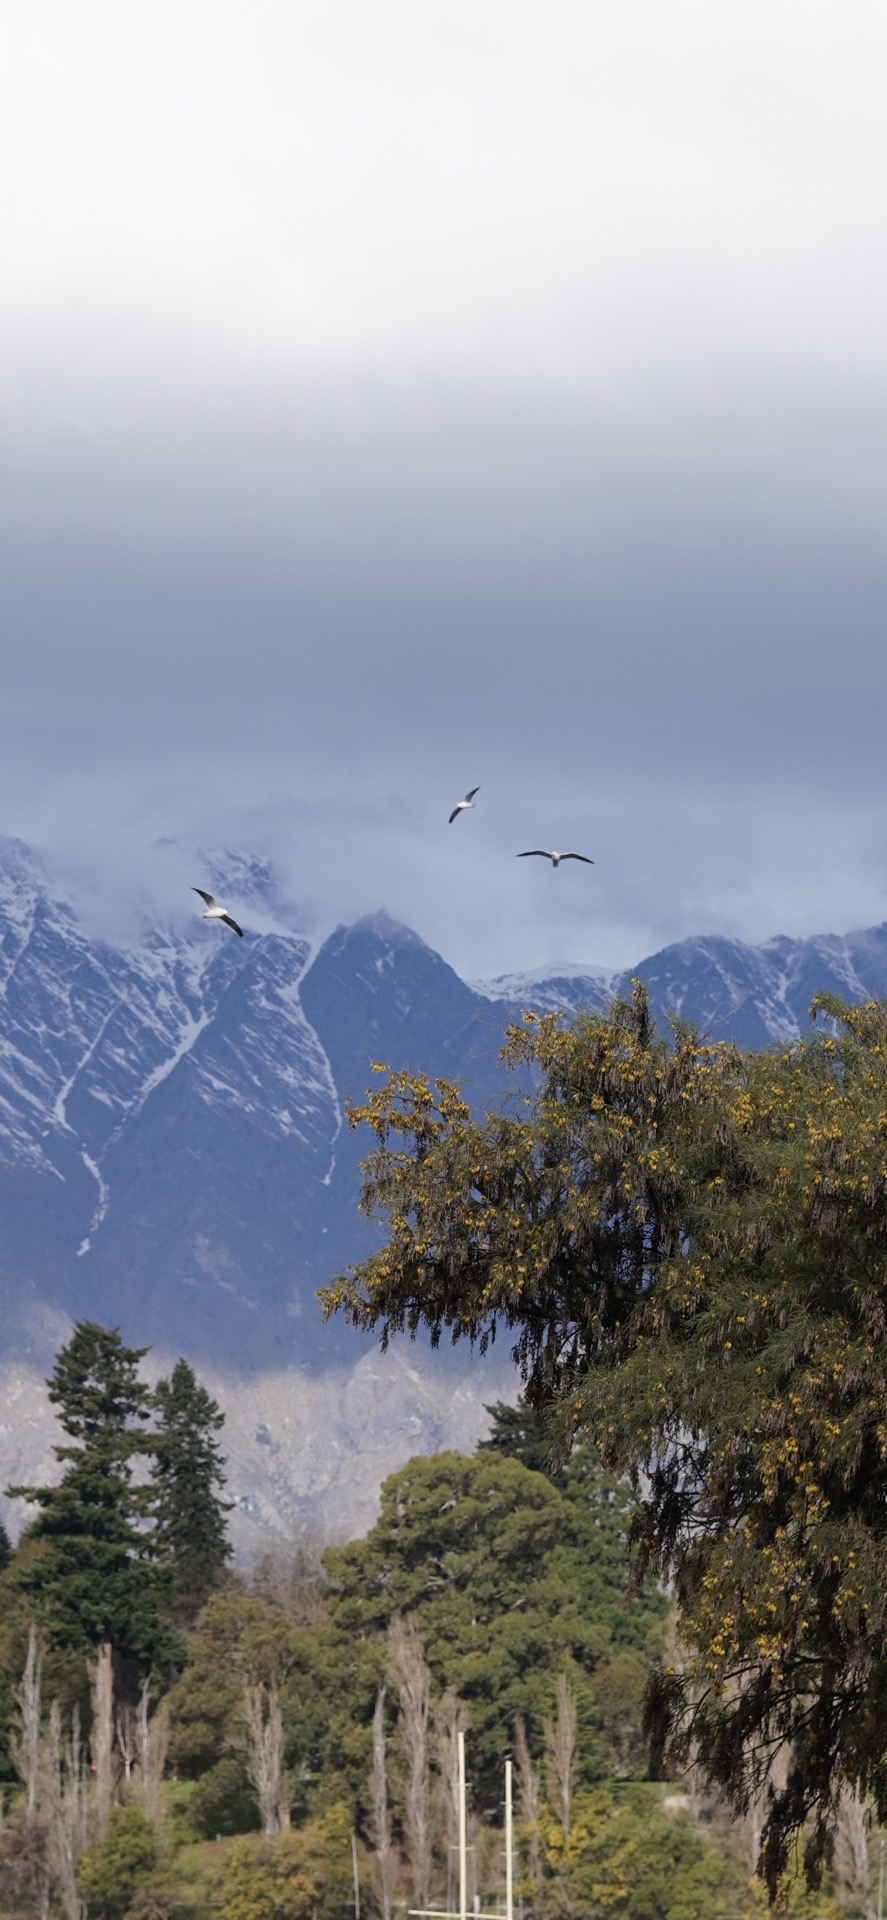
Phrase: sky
(398, 396)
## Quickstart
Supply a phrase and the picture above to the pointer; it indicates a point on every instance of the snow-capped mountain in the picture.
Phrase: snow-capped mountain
(172, 1153)
(757, 996)
(174, 1158)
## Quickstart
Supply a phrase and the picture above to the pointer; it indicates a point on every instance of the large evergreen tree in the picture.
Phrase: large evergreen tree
(187, 1475)
(85, 1566)
(509, 1580)
(520, 1433)
(688, 1246)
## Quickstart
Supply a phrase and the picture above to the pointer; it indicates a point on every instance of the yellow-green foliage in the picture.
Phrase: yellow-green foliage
(110, 1875)
(688, 1246)
(305, 1875)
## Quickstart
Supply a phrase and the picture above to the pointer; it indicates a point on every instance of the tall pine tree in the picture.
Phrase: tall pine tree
(187, 1476)
(92, 1578)
(520, 1433)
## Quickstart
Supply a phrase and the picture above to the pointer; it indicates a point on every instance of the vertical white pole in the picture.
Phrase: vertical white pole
(509, 1842)
(463, 1850)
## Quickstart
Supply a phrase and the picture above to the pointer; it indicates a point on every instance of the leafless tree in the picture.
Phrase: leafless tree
(294, 1581)
(102, 1688)
(66, 1810)
(25, 1746)
(449, 1719)
(264, 1760)
(379, 1823)
(560, 1753)
(24, 1869)
(127, 1729)
(529, 1804)
(152, 1742)
(852, 1852)
(406, 1660)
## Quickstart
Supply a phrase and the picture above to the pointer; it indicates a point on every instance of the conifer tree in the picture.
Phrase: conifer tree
(520, 1433)
(91, 1579)
(5, 1547)
(187, 1475)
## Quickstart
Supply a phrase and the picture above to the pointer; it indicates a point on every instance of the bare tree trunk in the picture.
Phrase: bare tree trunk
(66, 1811)
(852, 1851)
(529, 1805)
(450, 1718)
(154, 1735)
(560, 1753)
(411, 1677)
(380, 1819)
(759, 1804)
(141, 1740)
(103, 1734)
(264, 1764)
(126, 1725)
(25, 1747)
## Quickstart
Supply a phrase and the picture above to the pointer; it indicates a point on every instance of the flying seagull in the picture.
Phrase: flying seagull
(215, 912)
(555, 858)
(462, 804)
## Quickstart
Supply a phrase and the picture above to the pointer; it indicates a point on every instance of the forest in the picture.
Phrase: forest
(657, 1590)
(177, 1739)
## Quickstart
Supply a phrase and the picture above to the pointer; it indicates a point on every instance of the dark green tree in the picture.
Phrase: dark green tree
(520, 1432)
(510, 1582)
(187, 1476)
(5, 1547)
(83, 1565)
(688, 1248)
(238, 1638)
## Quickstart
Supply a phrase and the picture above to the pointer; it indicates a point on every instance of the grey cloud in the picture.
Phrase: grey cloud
(310, 619)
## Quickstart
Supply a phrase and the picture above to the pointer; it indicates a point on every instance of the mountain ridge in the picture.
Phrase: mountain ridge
(175, 1160)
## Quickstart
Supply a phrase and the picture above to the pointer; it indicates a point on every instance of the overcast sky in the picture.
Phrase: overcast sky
(401, 395)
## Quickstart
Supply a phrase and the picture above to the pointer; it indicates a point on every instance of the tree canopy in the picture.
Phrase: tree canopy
(187, 1474)
(115, 1553)
(85, 1568)
(688, 1247)
(510, 1581)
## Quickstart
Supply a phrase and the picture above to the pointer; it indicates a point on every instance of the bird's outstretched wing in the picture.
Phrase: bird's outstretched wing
(204, 896)
(462, 804)
(578, 856)
(231, 923)
(529, 853)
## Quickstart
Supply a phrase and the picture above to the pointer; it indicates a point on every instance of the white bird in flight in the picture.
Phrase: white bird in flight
(215, 912)
(468, 802)
(555, 858)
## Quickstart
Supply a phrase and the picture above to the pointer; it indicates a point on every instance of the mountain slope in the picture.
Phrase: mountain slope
(174, 1157)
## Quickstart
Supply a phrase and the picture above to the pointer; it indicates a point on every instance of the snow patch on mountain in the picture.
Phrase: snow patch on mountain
(552, 989)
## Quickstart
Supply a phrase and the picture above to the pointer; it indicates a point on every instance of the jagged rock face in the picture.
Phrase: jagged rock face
(757, 996)
(174, 1159)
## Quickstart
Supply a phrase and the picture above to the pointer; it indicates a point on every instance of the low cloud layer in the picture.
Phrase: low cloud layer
(458, 397)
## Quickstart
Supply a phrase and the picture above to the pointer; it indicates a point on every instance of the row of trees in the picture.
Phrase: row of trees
(688, 1248)
(124, 1549)
(316, 1702)
(509, 1579)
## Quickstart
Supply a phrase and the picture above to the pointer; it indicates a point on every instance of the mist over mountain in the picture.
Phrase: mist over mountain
(174, 1158)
